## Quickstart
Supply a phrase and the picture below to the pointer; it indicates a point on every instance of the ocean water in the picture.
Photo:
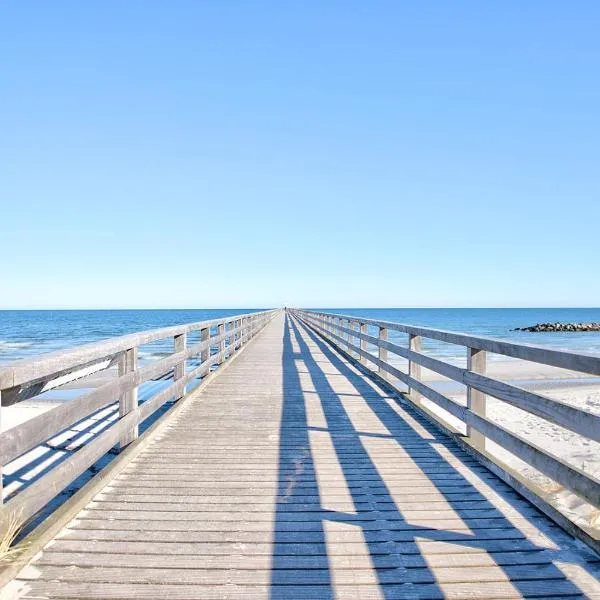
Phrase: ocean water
(26, 333)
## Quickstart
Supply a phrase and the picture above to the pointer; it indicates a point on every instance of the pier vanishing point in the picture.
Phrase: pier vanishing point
(287, 454)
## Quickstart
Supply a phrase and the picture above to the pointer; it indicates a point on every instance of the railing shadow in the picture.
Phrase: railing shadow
(394, 544)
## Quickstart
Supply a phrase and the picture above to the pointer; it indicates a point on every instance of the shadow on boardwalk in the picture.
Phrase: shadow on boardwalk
(507, 540)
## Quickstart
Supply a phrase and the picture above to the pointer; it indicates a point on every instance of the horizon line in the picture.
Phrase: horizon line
(429, 307)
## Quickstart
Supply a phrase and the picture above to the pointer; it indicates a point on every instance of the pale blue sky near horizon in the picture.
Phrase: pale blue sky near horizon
(211, 154)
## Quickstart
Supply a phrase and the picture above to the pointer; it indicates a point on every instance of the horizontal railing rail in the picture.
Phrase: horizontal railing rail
(28, 378)
(350, 333)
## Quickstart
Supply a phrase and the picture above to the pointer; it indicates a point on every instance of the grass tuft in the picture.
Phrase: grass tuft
(9, 533)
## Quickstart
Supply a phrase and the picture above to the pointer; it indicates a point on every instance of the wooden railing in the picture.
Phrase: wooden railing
(350, 334)
(28, 378)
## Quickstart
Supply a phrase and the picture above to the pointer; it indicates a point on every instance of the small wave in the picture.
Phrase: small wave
(152, 355)
(6, 345)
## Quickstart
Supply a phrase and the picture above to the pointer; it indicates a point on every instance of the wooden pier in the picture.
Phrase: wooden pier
(294, 470)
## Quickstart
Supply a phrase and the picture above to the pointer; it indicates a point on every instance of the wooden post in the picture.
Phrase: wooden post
(179, 345)
(353, 338)
(346, 336)
(204, 336)
(129, 400)
(363, 343)
(414, 369)
(220, 332)
(476, 400)
(1, 465)
(232, 337)
(383, 353)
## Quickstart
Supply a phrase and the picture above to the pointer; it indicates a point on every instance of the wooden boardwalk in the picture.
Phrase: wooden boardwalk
(292, 475)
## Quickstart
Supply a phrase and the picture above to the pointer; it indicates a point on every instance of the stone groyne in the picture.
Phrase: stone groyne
(560, 327)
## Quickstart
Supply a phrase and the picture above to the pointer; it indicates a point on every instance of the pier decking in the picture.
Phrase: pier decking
(294, 475)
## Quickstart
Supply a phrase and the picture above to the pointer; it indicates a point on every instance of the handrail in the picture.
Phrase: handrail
(30, 377)
(29, 371)
(584, 363)
(350, 334)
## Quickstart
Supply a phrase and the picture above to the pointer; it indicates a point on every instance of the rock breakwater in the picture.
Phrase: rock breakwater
(560, 327)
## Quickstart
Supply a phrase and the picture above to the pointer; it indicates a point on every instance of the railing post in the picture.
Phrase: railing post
(363, 343)
(204, 336)
(179, 345)
(383, 353)
(414, 369)
(220, 332)
(1, 465)
(352, 339)
(232, 337)
(476, 400)
(129, 400)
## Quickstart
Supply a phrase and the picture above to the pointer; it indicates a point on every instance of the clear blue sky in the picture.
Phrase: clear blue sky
(209, 154)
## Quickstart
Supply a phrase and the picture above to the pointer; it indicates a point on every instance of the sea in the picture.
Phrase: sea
(27, 333)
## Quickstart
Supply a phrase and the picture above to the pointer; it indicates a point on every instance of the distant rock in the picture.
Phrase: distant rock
(560, 327)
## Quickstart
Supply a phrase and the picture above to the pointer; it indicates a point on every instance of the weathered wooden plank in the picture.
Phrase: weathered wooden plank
(476, 400)
(244, 527)
(458, 591)
(425, 547)
(250, 561)
(290, 537)
(128, 401)
(238, 575)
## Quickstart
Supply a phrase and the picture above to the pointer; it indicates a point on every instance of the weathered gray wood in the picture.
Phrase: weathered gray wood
(1, 465)
(220, 335)
(204, 337)
(128, 400)
(414, 368)
(584, 363)
(363, 344)
(476, 401)
(432, 591)
(179, 345)
(382, 350)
